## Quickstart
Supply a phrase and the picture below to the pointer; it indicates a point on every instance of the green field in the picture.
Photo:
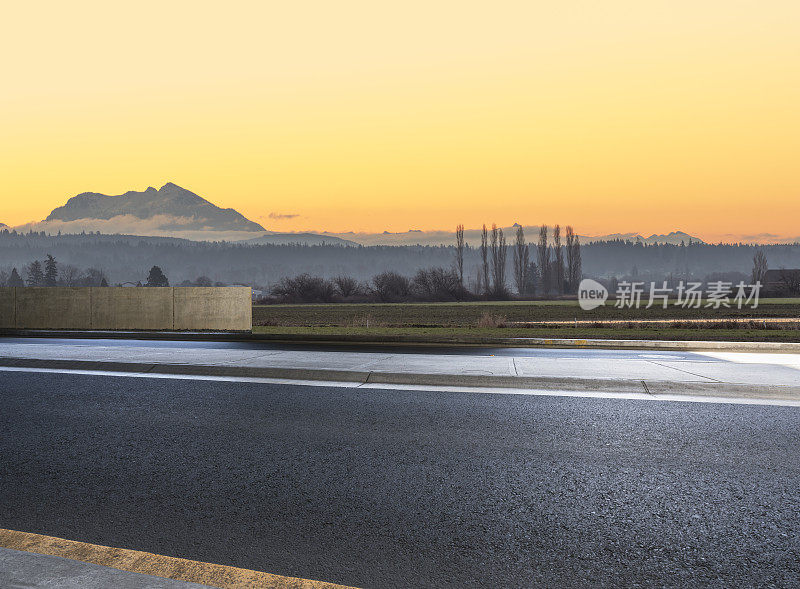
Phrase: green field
(479, 320)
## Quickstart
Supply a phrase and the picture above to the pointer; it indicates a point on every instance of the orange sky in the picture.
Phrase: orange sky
(365, 116)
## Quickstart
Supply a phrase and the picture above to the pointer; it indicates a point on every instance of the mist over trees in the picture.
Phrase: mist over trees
(49, 273)
(128, 259)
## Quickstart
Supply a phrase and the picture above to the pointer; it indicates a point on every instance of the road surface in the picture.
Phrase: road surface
(400, 488)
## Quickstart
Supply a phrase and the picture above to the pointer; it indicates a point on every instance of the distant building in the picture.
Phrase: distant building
(782, 282)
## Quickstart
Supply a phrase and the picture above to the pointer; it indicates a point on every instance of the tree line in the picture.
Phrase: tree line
(49, 272)
(556, 272)
(428, 284)
(126, 259)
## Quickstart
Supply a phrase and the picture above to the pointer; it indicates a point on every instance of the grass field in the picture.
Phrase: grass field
(473, 321)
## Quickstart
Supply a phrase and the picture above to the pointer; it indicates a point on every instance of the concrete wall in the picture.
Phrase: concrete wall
(8, 301)
(115, 308)
(132, 308)
(228, 308)
(39, 307)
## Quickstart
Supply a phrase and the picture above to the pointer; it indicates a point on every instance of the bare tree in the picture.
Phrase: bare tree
(97, 277)
(347, 286)
(460, 253)
(558, 262)
(521, 255)
(759, 267)
(499, 249)
(70, 275)
(569, 279)
(391, 287)
(485, 258)
(573, 260)
(789, 281)
(577, 270)
(437, 284)
(543, 259)
(531, 279)
(304, 289)
(501, 266)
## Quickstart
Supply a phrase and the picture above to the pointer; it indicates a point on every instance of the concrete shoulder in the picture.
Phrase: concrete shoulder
(155, 565)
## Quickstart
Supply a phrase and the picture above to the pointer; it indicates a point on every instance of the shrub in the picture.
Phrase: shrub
(304, 289)
(438, 284)
(347, 286)
(490, 320)
(391, 287)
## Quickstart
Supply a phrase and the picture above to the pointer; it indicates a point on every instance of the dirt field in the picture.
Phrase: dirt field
(773, 320)
(489, 314)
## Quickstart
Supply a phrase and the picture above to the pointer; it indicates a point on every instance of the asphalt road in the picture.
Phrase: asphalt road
(394, 488)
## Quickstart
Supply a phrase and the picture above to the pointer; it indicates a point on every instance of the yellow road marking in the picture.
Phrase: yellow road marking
(157, 565)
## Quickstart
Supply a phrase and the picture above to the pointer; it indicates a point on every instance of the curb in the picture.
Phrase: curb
(650, 387)
(156, 565)
(412, 340)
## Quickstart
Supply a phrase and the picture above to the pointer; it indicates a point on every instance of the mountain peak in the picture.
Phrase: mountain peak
(170, 208)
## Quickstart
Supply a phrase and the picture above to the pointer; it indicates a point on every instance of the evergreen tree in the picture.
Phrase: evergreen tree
(50, 271)
(35, 274)
(156, 277)
(15, 279)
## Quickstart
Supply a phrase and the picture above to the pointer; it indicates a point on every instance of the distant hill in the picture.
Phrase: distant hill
(674, 238)
(271, 238)
(473, 237)
(169, 208)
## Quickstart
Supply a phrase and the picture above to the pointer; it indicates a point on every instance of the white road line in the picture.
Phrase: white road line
(424, 388)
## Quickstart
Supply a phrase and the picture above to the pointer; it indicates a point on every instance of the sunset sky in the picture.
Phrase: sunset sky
(645, 116)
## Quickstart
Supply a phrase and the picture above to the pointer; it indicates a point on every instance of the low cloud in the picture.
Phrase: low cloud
(282, 216)
(156, 226)
(759, 238)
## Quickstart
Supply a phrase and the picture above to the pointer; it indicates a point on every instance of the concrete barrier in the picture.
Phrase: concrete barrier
(39, 307)
(198, 307)
(133, 308)
(117, 308)
(8, 312)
